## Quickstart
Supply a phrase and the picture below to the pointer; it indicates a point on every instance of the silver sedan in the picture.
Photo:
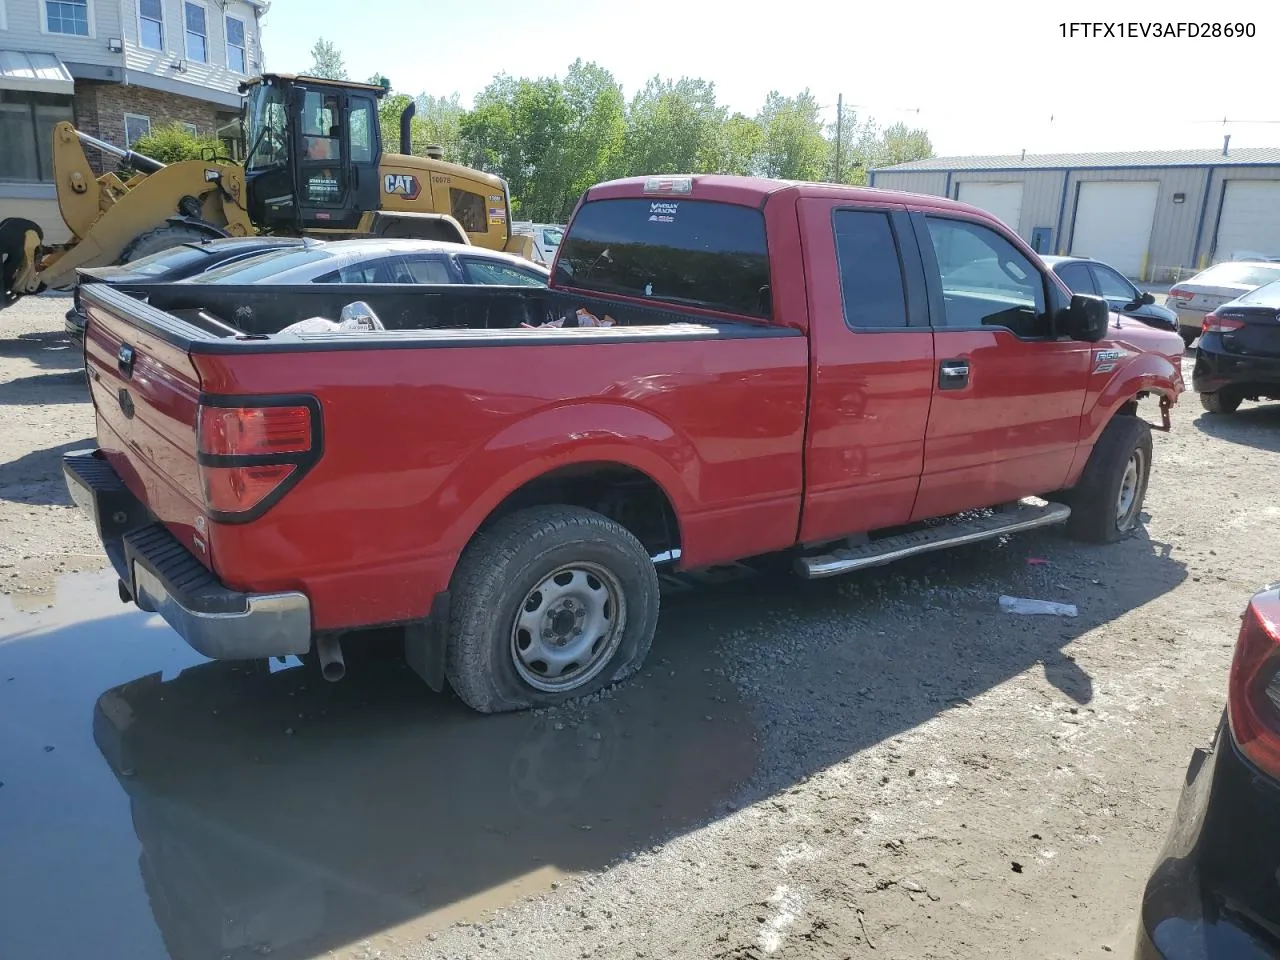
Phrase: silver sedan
(1214, 286)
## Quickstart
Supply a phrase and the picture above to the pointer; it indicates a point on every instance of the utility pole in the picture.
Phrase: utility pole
(839, 128)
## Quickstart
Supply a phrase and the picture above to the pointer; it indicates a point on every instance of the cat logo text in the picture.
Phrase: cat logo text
(401, 185)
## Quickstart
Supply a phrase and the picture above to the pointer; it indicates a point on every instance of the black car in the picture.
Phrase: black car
(174, 263)
(1215, 891)
(1238, 357)
(1084, 275)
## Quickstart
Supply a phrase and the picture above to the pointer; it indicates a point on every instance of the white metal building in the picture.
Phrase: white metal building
(1153, 215)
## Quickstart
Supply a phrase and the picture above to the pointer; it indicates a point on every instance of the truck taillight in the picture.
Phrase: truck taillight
(254, 431)
(250, 455)
(1253, 698)
(1216, 323)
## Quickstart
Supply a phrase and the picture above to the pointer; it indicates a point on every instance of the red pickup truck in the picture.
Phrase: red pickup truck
(835, 375)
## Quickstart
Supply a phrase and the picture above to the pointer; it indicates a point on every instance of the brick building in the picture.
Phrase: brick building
(116, 68)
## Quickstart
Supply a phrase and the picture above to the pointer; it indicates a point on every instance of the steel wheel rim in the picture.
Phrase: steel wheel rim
(1127, 501)
(568, 627)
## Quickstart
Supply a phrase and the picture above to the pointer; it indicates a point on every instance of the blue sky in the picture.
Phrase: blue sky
(981, 77)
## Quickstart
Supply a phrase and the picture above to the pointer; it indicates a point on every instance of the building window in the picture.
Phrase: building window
(236, 59)
(135, 128)
(26, 133)
(190, 128)
(67, 16)
(151, 24)
(197, 33)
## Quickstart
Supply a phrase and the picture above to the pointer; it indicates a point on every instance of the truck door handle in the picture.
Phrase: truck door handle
(953, 374)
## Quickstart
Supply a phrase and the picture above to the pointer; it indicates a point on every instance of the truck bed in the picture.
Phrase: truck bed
(421, 431)
(258, 310)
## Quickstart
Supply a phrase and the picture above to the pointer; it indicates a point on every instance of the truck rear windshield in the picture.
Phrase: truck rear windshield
(689, 252)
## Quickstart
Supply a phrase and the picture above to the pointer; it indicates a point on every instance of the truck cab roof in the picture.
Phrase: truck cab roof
(755, 191)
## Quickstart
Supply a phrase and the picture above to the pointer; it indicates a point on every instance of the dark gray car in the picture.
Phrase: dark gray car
(1085, 275)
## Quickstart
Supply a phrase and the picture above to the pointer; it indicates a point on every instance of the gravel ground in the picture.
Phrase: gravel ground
(927, 776)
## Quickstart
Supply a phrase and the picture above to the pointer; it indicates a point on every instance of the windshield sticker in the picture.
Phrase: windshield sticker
(663, 212)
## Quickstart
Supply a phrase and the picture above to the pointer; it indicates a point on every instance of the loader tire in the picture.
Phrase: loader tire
(161, 238)
(549, 604)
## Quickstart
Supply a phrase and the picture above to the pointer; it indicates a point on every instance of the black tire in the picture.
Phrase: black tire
(1224, 401)
(1095, 501)
(504, 569)
(1188, 336)
(161, 238)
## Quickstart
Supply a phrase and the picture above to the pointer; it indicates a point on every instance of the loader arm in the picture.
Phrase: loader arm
(106, 214)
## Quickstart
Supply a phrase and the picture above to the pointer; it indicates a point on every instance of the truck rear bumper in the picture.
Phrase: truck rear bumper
(162, 576)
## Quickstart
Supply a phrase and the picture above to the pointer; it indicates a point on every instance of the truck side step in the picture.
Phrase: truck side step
(1024, 515)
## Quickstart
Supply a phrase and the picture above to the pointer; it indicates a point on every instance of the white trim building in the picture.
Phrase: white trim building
(116, 68)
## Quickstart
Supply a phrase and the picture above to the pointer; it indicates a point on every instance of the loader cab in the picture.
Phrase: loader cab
(313, 149)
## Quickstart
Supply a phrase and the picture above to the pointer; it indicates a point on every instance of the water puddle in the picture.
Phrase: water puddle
(182, 808)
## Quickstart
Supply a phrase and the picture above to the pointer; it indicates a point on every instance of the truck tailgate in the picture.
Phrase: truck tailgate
(146, 394)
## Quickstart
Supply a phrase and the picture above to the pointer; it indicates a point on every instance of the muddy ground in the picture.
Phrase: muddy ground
(885, 765)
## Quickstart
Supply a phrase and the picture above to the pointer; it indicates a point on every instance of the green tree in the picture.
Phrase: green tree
(326, 62)
(793, 147)
(173, 143)
(673, 127)
(519, 130)
(389, 110)
(438, 123)
(594, 136)
(900, 144)
(736, 147)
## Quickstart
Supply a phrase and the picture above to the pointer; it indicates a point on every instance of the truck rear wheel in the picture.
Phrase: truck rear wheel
(549, 604)
(1107, 502)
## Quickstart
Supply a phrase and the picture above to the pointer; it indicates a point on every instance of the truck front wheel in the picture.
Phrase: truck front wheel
(1107, 502)
(549, 604)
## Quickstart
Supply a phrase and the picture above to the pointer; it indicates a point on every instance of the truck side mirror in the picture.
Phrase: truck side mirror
(1087, 318)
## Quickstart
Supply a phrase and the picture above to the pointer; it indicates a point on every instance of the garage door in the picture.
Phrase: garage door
(1113, 223)
(1250, 221)
(1002, 200)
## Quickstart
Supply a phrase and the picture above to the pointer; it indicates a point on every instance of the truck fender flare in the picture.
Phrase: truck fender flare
(1141, 374)
(563, 436)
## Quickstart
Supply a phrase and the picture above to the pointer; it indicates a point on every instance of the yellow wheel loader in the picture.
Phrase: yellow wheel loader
(314, 165)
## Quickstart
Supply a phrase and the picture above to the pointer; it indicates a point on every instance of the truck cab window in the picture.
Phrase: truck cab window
(870, 270)
(361, 121)
(699, 253)
(1077, 278)
(267, 128)
(320, 129)
(1112, 286)
(488, 272)
(469, 210)
(986, 281)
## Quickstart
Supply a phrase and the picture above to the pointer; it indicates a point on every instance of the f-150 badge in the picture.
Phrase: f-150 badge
(1104, 361)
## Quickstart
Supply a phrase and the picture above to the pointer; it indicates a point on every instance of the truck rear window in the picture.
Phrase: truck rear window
(689, 252)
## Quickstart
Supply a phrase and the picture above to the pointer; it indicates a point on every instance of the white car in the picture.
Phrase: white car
(546, 239)
(1214, 286)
